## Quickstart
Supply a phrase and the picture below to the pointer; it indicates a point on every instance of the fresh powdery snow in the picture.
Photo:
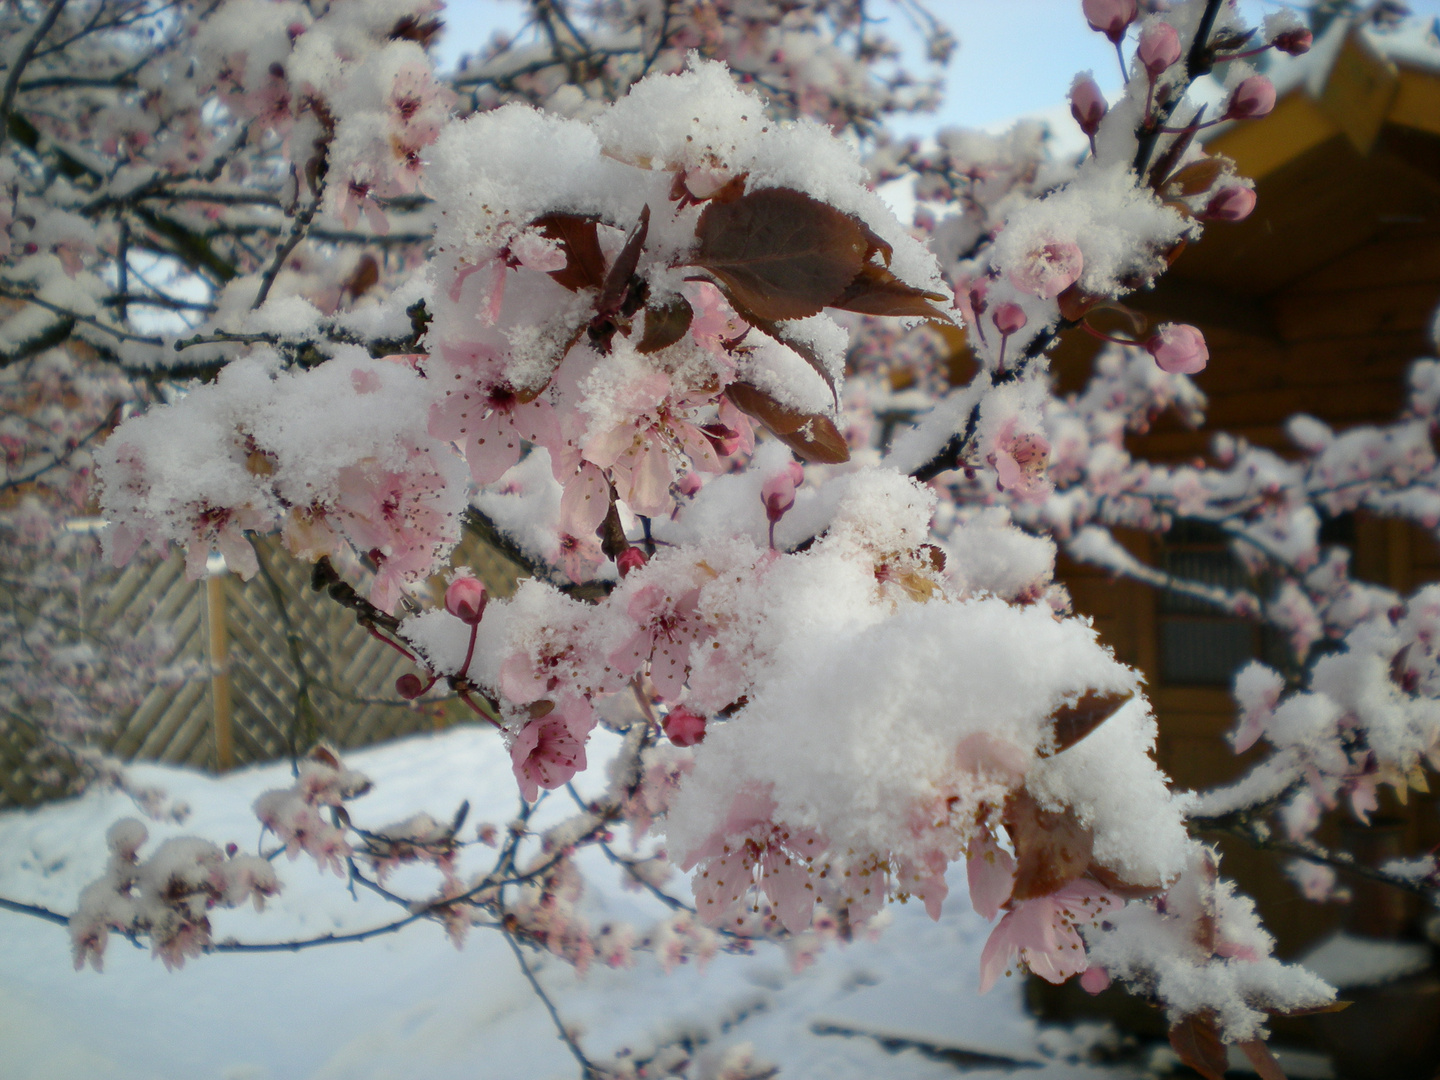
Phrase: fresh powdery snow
(411, 1005)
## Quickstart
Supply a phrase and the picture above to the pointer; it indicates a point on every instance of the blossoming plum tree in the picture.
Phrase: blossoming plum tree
(598, 295)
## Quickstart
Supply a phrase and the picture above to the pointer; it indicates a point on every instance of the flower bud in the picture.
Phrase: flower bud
(1296, 41)
(632, 558)
(1009, 318)
(1252, 99)
(1109, 17)
(1178, 348)
(778, 493)
(1095, 980)
(1159, 48)
(689, 484)
(1087, 104)
(684, 728)
(409, 686)
(466, 599)
(1229, 204)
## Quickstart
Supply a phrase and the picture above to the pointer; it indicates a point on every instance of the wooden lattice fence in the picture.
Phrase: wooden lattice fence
(276, 667)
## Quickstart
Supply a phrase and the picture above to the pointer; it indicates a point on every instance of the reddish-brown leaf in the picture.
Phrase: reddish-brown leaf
(665, 325)
(617, 281)
(1265, 1064)
(1075, 302)
(811, 435)
(1074, 722)
(365, 277)
(780, 254)
(1196, 177)
(584, 261)
(876, 291)
(1198, 1044)
(1051, 846)
(1333, 1007)
(801, 348)
(1174, 152)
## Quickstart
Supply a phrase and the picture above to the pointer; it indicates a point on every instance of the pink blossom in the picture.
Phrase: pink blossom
(1042, 932)
(1049, 270)
(1159, 48)
(991, 871)
(493, 420)
(1020, 459)
(1109, 17)
(551, 750)
(666, 627)
(402, 520)
(1178, 348)
(750, 850)
(1253, 98)
(1087, 104)
(585, 501)
(579, 556)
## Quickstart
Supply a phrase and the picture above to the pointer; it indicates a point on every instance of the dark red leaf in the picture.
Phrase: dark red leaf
(780, 254)
(811, 435)
(1051, 846)
(1074, 722)
(665, 325)
(876, 291)
(364, 278)
(1333, 1007)
(1265, 1064)
(801, 348)
(1196, 177)
(1175, 151)
(1198, 1044)
(584, 262)
(617, 281)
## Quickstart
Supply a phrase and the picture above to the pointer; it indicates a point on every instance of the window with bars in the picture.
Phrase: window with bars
(1200, 643)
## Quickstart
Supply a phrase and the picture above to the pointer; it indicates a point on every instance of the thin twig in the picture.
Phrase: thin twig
(588, 1069)
(12, 81)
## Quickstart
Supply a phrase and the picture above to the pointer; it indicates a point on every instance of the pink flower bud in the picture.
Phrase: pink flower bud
(1109, 17)
(1095, 980)
(1178, 348)
(1087, 104)
(466, 599)
(409, 686)
(689, 484)
(1229, 204)
(1252, 99)
(778, 494)
(1009, 318)
(684, 727)
(632, 558)
(1296, 41)
(1159, 48)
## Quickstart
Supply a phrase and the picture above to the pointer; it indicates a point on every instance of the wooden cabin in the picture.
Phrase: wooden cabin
(1317, 303)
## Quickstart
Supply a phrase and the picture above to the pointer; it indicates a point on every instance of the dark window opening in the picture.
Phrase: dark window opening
(1202, 644)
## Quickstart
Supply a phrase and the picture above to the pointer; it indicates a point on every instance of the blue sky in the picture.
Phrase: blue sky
(1016, 57)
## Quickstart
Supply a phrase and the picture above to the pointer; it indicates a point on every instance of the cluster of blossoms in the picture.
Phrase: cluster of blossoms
(825, 59)
(832, 681)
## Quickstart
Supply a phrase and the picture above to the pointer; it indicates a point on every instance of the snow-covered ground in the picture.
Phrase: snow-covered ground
(411, 1006)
